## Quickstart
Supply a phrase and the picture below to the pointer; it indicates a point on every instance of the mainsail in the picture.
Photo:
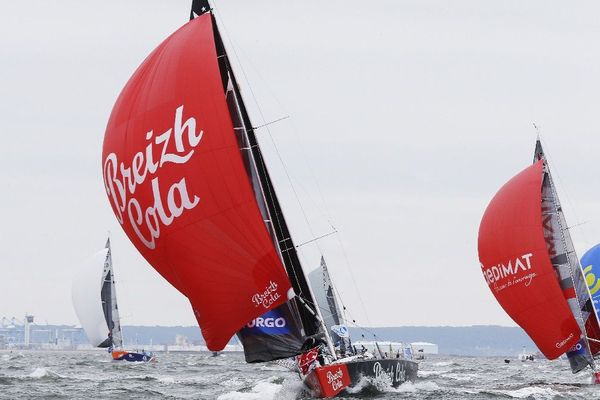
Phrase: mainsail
(564, 259)
(94, 300)
(186, 179)
(325, 296)
(327, 302)
(108, 295)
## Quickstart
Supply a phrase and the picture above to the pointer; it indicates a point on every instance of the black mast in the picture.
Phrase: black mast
(310, 320)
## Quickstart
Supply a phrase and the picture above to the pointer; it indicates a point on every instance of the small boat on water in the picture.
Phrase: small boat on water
(187, 181)
(525, 356)
(528, 260)
(95, 301)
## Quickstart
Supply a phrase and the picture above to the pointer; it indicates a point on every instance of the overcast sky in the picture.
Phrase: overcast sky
(405, 118)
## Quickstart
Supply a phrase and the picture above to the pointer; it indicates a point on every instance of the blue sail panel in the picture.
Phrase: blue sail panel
(590, 264)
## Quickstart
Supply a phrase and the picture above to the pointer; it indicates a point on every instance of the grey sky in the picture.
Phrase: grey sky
(409, 115)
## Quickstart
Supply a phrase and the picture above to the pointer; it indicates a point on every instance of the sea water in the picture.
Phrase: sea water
(92, 375)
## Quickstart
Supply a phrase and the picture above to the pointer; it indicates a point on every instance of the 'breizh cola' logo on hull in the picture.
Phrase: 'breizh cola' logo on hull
(121, 179)
(505, 274)
(334, 379)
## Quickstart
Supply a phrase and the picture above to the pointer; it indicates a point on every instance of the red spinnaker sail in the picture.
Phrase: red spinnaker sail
(176, 181)
(516, 265)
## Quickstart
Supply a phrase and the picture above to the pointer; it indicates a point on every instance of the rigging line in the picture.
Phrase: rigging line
(360, 299)
(322, 198)
(311, 170)
(579, 224)
(270, 135)
(289, 177)
(563, 235)
(262, 166)
(327, 214)
(271, 123)
(329, 313)
(563, 188)
(277, 217)
(317, 238)
(336, 292)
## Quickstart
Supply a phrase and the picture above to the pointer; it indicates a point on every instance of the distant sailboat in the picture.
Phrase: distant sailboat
(186, 179)
(525, 356)
(95, 302)
(327, 302)
(530, 265)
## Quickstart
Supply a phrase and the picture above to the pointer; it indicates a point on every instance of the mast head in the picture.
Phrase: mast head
(199, 7)
(539, 152)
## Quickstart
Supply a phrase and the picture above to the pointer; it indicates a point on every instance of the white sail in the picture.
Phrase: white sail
(87, 285)
(325, 297)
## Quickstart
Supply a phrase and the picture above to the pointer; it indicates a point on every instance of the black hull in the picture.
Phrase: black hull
(398, 370)
(332, 380)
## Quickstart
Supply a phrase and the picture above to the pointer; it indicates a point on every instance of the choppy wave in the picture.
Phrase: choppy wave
(95, 376)
(266, 390)
(428, 373)
(534, 392)
(5, 381)
(414, 387)
(44, 373)
(445, 364)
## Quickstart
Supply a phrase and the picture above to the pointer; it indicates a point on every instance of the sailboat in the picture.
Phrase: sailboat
(529, 263)
(186, 179)
(95, 302)
(525, 356)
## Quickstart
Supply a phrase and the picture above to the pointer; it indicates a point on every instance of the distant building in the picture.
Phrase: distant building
(391, 348)
(26, 334)
(181, 340)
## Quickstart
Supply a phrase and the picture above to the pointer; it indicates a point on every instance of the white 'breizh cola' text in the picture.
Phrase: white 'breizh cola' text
(121, 179)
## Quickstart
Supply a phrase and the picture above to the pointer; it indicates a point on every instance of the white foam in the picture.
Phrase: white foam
(42, 372)
(273, 368)
(364, 382)
(462, 377)
(410, 387)
(262, 391)
(268, 390)
(166, 380)
(443, 363)
(531, 392)
(425, 373)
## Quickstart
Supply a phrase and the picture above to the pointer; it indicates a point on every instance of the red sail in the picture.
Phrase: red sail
(516, 265)
(176, 181)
